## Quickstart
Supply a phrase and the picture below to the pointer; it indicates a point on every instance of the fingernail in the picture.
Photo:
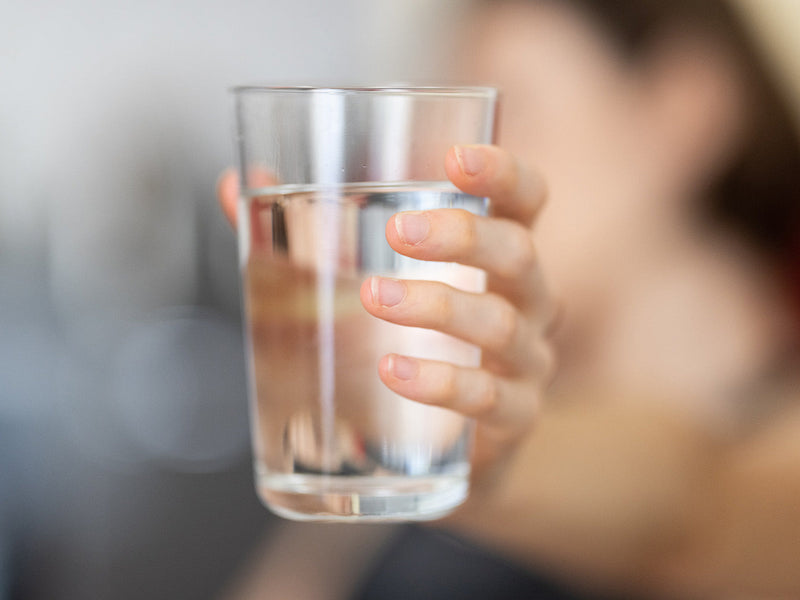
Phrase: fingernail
(402, 367)
(471, 159)
(412, 227)
(387, 292)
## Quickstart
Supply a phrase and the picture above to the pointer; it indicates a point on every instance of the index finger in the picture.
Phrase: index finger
(516, 191)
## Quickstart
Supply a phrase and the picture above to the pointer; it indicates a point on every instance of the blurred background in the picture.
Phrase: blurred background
(124, 450)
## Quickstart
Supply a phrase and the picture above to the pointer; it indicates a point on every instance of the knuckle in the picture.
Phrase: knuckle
(521, 257)
(536, 186)
(509, 175)
(506, 325)
(441, 307)
(447, 385)
(487, 399)
(467, 237)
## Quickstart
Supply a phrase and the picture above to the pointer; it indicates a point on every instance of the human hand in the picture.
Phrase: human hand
(509, 322)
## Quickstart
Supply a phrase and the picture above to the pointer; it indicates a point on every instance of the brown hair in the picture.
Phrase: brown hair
(759, 193)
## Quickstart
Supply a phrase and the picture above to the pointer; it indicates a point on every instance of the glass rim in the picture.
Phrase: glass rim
(380, 90)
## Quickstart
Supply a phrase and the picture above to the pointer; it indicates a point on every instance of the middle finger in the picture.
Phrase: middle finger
(503, 248)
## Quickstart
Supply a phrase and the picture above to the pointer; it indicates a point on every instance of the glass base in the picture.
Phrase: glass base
(352, 498)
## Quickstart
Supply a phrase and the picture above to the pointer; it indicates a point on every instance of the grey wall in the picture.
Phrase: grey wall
(124, 459)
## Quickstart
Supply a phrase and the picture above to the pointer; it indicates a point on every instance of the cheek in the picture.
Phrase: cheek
(572, 241)
(595, 217)
(586, 140)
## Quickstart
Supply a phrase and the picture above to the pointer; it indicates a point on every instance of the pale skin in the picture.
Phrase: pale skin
(503, 395)
(686, 517)
(633, 471)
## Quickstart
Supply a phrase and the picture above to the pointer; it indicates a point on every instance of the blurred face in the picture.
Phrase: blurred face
(572, 108)
(627, 150)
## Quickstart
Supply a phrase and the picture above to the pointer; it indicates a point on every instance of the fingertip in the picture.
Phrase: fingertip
(228, 183)
(517, 191)
(365, 293)
(451, 166)
(227, 192)
(385, 371)
(472, 159)
(401, 375)
(466, 166)
(401, 367)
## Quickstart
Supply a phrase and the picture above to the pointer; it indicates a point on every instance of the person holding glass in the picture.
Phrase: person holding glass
(644, 238)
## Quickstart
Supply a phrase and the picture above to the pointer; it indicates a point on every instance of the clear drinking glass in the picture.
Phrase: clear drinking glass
(322, 171)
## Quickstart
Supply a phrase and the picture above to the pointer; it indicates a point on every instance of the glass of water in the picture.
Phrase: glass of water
(322, 171)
